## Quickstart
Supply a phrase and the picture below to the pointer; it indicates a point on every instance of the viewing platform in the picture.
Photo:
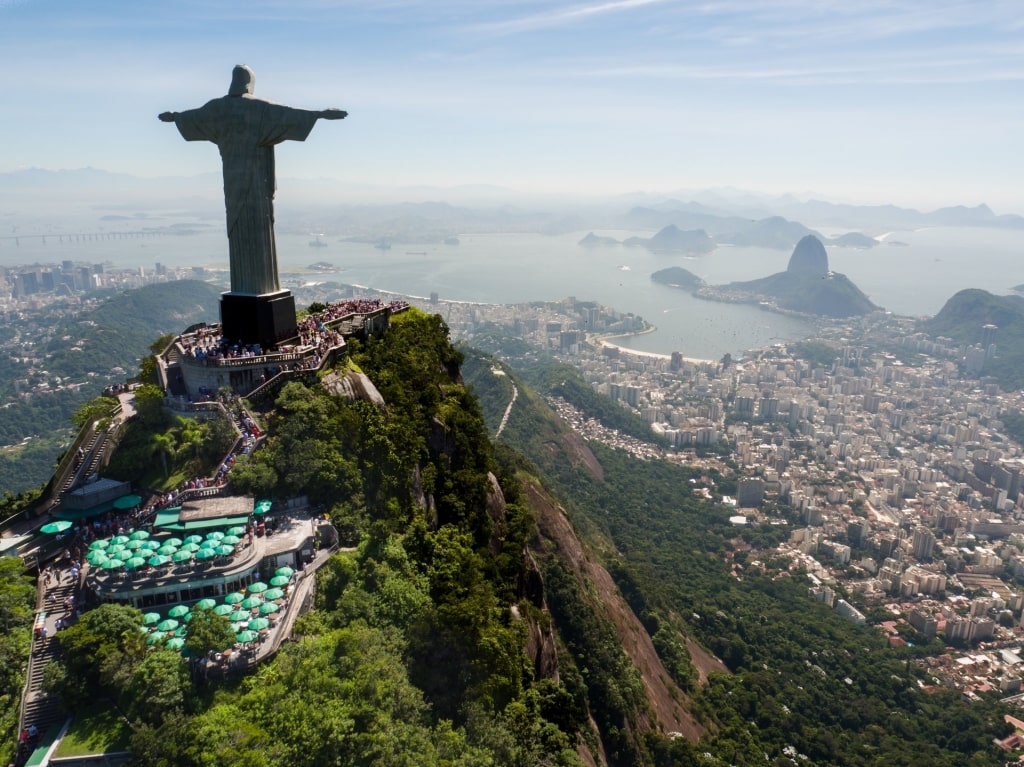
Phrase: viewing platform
(200, 362)
(287, 539)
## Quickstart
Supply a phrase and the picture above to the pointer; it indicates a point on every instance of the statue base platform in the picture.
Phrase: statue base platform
(267, 319)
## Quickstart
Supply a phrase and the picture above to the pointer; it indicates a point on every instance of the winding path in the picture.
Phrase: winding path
(508, 410)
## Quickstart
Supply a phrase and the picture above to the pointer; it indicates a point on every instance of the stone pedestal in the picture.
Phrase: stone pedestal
(267, 320)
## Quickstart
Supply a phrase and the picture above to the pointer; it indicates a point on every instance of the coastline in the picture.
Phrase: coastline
(607, 341)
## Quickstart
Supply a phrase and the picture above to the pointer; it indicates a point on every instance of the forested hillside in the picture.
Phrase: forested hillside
(81, 355)
(431, 643)
(803, 681)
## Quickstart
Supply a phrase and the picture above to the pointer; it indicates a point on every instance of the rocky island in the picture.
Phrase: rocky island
(807, 286)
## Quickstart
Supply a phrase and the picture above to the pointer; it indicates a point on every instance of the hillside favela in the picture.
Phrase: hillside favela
(305, 471)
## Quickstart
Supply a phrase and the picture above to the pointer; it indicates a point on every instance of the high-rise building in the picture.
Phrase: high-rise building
(923, 543)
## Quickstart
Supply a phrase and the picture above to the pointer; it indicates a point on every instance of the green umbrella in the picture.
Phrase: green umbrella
(120, 539)
(269, 608)
(193, 547)
(250, 602)
(177, 611)
(258, 624)
(134, 545)
(114, 548)
(181, 631)
(279, 580)
(99, 543)
(257, 587)
(96, 557)
(151, 619)
(167, 550)
(173, 542)
(286, 571)
(127, 501)
(176, 643)
(182, 556)
(206, 604)
(225, 551)
(112, 564)
(56, 527)
(194, 539)
(167, 625)
(234, 598)
(139, 535)
(237, 530)
(239, 615)
(214, 535)
(155, 638)
(271, 594)
(134, 563)
(150, 545)
(209, 543)
(206, 554)
(224, 609)
(246, 636)
(157, 560)
(230, 540)
(262, 507)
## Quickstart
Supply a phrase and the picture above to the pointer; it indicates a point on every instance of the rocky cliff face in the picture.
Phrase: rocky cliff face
(809, 257)
(667, 705)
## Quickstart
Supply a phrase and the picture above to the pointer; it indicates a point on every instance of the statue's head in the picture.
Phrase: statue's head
(243, 81)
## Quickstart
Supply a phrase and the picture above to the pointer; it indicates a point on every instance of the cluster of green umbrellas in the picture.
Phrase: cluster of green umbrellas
(137, 550)
(248, 611)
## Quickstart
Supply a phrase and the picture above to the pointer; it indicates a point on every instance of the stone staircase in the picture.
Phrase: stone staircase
(39, 708)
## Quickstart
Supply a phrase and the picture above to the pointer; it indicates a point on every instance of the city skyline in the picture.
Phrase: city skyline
(910, 103)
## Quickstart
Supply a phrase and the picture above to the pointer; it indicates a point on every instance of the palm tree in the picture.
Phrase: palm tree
(164, 445)
(190, 434)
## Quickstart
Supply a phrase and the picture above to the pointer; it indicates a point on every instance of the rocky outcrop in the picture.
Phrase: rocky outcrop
(353, 385)
(541, 646)
(496, 513)
(809, 257)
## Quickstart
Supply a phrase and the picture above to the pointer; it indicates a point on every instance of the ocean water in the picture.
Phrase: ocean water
(914, 279)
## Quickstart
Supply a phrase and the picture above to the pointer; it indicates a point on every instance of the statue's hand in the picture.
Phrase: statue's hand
(333, 114)
(167, 117)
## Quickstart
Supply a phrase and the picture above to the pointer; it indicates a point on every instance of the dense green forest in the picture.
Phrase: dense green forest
(415, 653)
(17, 610)
(804, 680)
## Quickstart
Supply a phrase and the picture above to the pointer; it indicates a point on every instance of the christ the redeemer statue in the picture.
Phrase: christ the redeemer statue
(245, 130)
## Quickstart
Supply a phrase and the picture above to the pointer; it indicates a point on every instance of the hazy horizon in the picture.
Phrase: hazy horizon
(909, 103)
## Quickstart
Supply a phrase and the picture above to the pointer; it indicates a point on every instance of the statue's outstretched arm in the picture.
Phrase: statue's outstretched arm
(168, 117)
(329, 114)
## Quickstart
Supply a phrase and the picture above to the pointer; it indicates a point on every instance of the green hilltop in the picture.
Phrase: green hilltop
(962, 318)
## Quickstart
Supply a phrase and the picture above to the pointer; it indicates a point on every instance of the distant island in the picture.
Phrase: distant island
(670, 239)
(677, 277)
(807, 286)
(772, 232)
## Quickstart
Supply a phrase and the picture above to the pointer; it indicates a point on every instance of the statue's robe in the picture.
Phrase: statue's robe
(245, 130)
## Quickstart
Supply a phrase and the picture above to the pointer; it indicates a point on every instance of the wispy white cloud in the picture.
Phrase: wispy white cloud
(565, 16)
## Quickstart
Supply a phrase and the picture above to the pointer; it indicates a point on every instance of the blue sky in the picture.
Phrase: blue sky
(915, 102)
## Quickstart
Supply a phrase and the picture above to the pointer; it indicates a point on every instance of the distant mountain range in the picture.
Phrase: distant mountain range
(422, 214)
